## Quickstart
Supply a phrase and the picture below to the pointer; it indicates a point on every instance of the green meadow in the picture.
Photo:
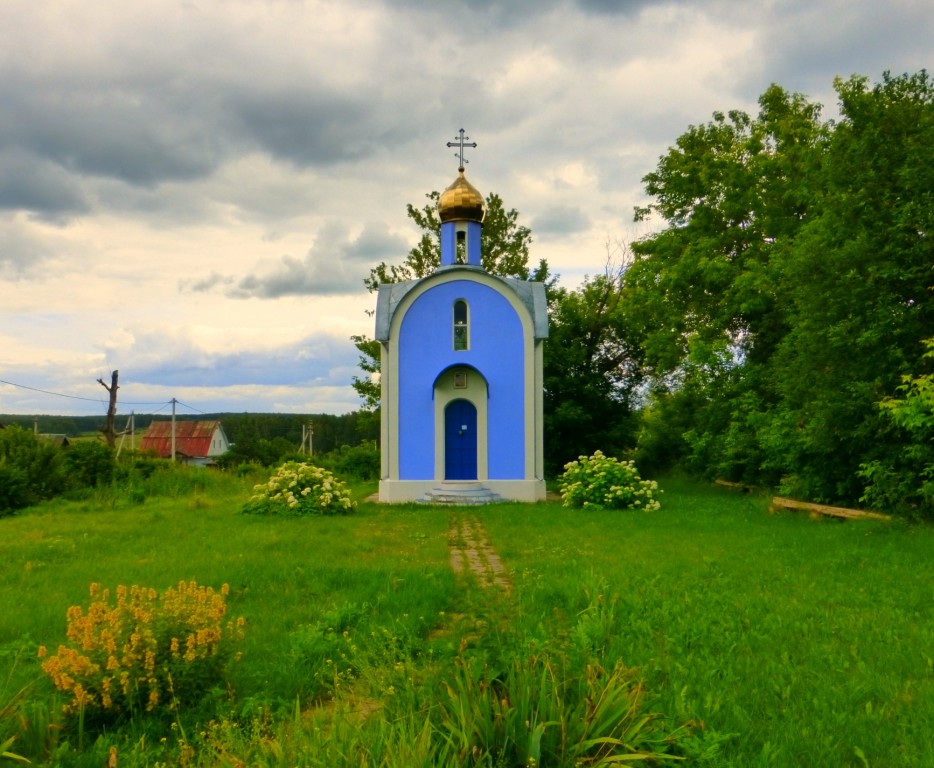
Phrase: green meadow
(709, 632)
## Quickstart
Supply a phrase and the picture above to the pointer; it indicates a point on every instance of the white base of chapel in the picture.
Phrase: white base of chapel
(402, 491)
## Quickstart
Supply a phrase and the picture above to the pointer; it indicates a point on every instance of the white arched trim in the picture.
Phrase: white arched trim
(446, 390)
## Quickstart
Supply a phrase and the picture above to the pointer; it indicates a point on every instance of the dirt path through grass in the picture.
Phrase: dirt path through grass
(471, 551)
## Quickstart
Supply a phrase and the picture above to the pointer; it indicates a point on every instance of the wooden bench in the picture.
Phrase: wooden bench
(733, 486)
(817, 510)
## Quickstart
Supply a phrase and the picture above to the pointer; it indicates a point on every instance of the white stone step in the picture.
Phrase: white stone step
(460, 493)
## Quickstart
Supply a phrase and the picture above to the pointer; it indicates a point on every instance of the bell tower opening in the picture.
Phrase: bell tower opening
(461, 209)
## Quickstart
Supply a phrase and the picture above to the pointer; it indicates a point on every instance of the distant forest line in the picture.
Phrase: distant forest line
(330, 431)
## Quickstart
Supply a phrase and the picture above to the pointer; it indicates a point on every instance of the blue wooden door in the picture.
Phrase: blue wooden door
(460, 441)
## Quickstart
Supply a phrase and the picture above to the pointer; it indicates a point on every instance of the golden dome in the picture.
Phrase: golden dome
(461, 202)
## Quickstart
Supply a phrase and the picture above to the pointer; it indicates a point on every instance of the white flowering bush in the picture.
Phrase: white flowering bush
(300, 489)
(603, 482)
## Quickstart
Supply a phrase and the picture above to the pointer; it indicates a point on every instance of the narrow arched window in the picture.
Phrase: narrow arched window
(460, 248)
(461, 329)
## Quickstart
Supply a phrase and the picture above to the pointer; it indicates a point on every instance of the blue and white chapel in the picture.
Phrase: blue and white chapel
(461, 372)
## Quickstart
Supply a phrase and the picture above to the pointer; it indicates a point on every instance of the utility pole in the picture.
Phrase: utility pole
(128, 428)
(308, 433)
(109, 432)
(174, 401)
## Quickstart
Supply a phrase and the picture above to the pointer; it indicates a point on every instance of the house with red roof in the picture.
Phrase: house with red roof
(196, 442)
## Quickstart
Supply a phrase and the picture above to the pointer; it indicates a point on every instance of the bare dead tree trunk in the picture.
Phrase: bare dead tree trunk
(109, 432)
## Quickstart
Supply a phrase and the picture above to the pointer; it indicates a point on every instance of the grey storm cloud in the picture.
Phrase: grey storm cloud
(319, 358)
(157, 120)
(154, 120)
(20, 255)
(302, 127)
(144, 136)
(32, 183)
(60, 135)
(619, 7)
(520, 11)
(209, 283)
(121, 129)
(561, 220)
(335, 264)
(803, 46)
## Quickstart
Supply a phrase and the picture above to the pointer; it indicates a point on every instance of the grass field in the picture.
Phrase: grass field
(776, 640)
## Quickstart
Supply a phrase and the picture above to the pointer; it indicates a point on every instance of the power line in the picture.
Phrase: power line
(184, 405)
(55, 394)
(163, 403)
(73, 397)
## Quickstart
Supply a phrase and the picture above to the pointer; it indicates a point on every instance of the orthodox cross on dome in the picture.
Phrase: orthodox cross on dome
(461, 143)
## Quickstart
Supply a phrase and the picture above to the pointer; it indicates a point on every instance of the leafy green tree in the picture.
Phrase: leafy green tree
(361, 462)
(592, 372)
(904, 480)
(857, 287)
(14, 488)
(30, 469)
(89, 463)
(260, 451)
(789, 292)
(366, 385)
(504, 244)
(733, 193)
(704, 291)
(282, 433)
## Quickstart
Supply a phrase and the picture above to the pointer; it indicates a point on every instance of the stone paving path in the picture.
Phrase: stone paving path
(471, 551)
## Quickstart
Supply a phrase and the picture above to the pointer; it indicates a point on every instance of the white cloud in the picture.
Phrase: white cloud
(337, 263)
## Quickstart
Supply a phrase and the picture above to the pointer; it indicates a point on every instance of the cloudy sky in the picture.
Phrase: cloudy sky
(191, 192)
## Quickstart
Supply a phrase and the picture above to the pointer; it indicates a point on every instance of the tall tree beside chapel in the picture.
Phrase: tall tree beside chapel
(790, 290)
